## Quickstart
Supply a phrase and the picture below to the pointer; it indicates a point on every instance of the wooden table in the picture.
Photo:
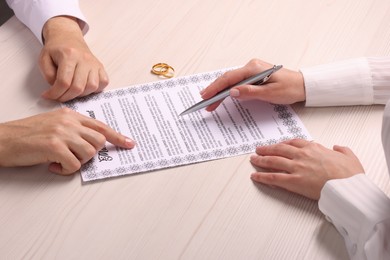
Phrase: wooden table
(208, 210)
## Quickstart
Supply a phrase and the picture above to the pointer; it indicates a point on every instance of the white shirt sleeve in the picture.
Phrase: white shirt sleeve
(362, 81)
(359, 210)
(34, 14)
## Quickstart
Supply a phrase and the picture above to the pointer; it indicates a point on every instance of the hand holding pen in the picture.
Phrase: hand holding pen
(257, 79)
(284, 87)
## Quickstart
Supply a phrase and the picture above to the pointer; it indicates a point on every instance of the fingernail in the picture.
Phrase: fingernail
(234, 93)
(129, 143)
(202, 91)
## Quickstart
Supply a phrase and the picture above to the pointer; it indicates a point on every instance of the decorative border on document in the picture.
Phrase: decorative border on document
(89, 170)
(144, 88)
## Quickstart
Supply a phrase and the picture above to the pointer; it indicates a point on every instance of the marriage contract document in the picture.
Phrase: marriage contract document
(149, 114)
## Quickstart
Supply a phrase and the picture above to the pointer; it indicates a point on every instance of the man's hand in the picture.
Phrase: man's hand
(64, 138)
(66, 62)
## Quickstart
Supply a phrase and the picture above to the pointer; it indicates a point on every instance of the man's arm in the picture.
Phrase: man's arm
(35, 14)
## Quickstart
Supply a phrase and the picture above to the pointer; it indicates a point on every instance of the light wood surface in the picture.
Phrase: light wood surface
(209, 210)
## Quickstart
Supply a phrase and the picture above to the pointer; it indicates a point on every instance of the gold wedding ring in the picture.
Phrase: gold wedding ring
(163, 69)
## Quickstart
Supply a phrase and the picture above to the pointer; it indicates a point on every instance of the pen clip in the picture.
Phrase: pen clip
(266, 78)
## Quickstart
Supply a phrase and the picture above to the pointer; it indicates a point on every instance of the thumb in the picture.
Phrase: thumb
(344, 150)
(246, 92)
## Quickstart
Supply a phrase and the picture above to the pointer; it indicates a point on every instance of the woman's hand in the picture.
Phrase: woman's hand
(284, 87)
(303, 167)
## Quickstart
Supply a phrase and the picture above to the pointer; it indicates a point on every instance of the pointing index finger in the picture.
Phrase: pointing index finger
(111, 135)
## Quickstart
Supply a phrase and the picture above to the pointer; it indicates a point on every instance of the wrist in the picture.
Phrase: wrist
(61, 27)
(4, 147)
(296, 85)
(300, 84)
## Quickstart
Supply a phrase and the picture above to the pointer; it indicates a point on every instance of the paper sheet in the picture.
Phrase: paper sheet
(148, 113)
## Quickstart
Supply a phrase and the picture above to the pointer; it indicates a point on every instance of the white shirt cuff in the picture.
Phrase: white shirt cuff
(34, 14)
(380, 72)
(358, 209)
(338, 84)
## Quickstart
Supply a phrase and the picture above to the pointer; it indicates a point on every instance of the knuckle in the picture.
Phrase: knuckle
(66, 111)
(63, 83)
(295, 141)
(266, 161)
(224, 79)
(63, 126)
(250, 90)
(271, 178)
(74, 166)
(92, 86)
(261, 149)
(101, 127)
(68, 51)
(101, 140)
(53, 144)
(77, 89)
(87, 56)
(303, 153)
(90, 152)
(277, 149)
(256, 63)
(104, 81)
(313, 147)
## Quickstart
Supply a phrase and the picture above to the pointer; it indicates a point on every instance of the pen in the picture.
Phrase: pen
(257, 79)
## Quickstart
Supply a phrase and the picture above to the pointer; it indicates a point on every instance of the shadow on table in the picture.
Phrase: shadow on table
(326, 234)
(28, 50)
(33, 176)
